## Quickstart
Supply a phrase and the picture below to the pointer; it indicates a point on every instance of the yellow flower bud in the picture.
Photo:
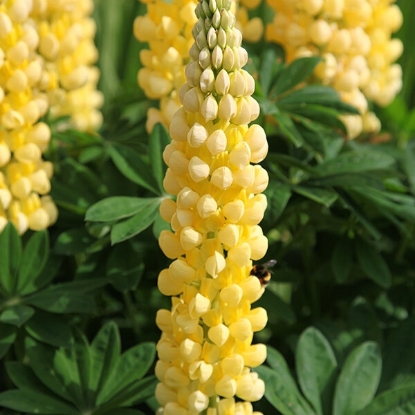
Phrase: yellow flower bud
(163, 321)
(255, 355)
(170, 245)
(219, 334)
(222, 177)
(167, 284)
(198, 401)
(198, 169)
(232, 365)
(249, 387)
(190, 350)
(216, 142)
(226, 387)
(241, 329)
(215, 264)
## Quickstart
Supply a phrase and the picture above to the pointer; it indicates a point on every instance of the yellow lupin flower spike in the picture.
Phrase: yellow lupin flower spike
(167, 29)
(354, 39)
(24, 176)
(205, 351)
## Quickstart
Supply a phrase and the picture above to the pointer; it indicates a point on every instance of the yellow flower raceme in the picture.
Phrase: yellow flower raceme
(167, 28)
(354, 38)
(66, 42)
(205, 351)
(24, 176)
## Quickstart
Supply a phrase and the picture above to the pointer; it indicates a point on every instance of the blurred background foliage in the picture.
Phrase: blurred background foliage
(78, 303)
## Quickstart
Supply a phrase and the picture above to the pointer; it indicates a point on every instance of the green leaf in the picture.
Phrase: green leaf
(358, 380)
(288, 128)
(131, 165)
(48, 273)
(24, 378)
(132, 365)
(117, 207)
(360, 215)
(10, 254)
(35, 403)
(355, 161)
(400, 205)
(373, 264)
(73, 241)
(133, 226)
(34, 258)
(105, 351)
(299, 70)
(315, 95)
(17, 315)
(316, 369)
(69, 297)
(159, 139)
(278, 196)
(50, 329)
(7, 337)
(347, 180)
(268, 69)
(399, 356)
(42, 362)
(398, 401)
(281, 390)
(325, 197)
(136, 392)
(342, 259)
(124, 269)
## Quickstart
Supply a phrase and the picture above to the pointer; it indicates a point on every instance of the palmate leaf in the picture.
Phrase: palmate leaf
(281, 390)
(316, 369)
(10, 254)
(132, 365)
(134, 225)
(17, 315)
(297, 71)
(8, 335)
(398, 401)
(35, 255)
(132, 166)
(373, 264)
(35, 403)
(82, 376)
(117, 207)
(358, 380)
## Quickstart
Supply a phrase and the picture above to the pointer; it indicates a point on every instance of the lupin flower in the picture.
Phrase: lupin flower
(167, 28)
(252, 29)
(24, 176)
(206, 351)
(354, 39)
(66, 42)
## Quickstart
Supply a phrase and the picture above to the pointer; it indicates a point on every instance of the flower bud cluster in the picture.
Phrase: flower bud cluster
(206, 351)
(24, 176)
(66, 42)
(354, 39)
(167, 28)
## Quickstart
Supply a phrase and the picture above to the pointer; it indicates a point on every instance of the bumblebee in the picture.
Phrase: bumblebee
(262, 272)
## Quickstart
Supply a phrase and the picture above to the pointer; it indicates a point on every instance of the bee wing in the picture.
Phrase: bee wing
(270, 263)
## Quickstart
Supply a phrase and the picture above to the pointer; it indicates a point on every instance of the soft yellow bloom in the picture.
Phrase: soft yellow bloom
(166, 28)
(205, 351)
(354, 39)
(24, 176)
(66, 42)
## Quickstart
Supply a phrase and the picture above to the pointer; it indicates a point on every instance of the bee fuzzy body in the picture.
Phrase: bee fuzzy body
(262, 272)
